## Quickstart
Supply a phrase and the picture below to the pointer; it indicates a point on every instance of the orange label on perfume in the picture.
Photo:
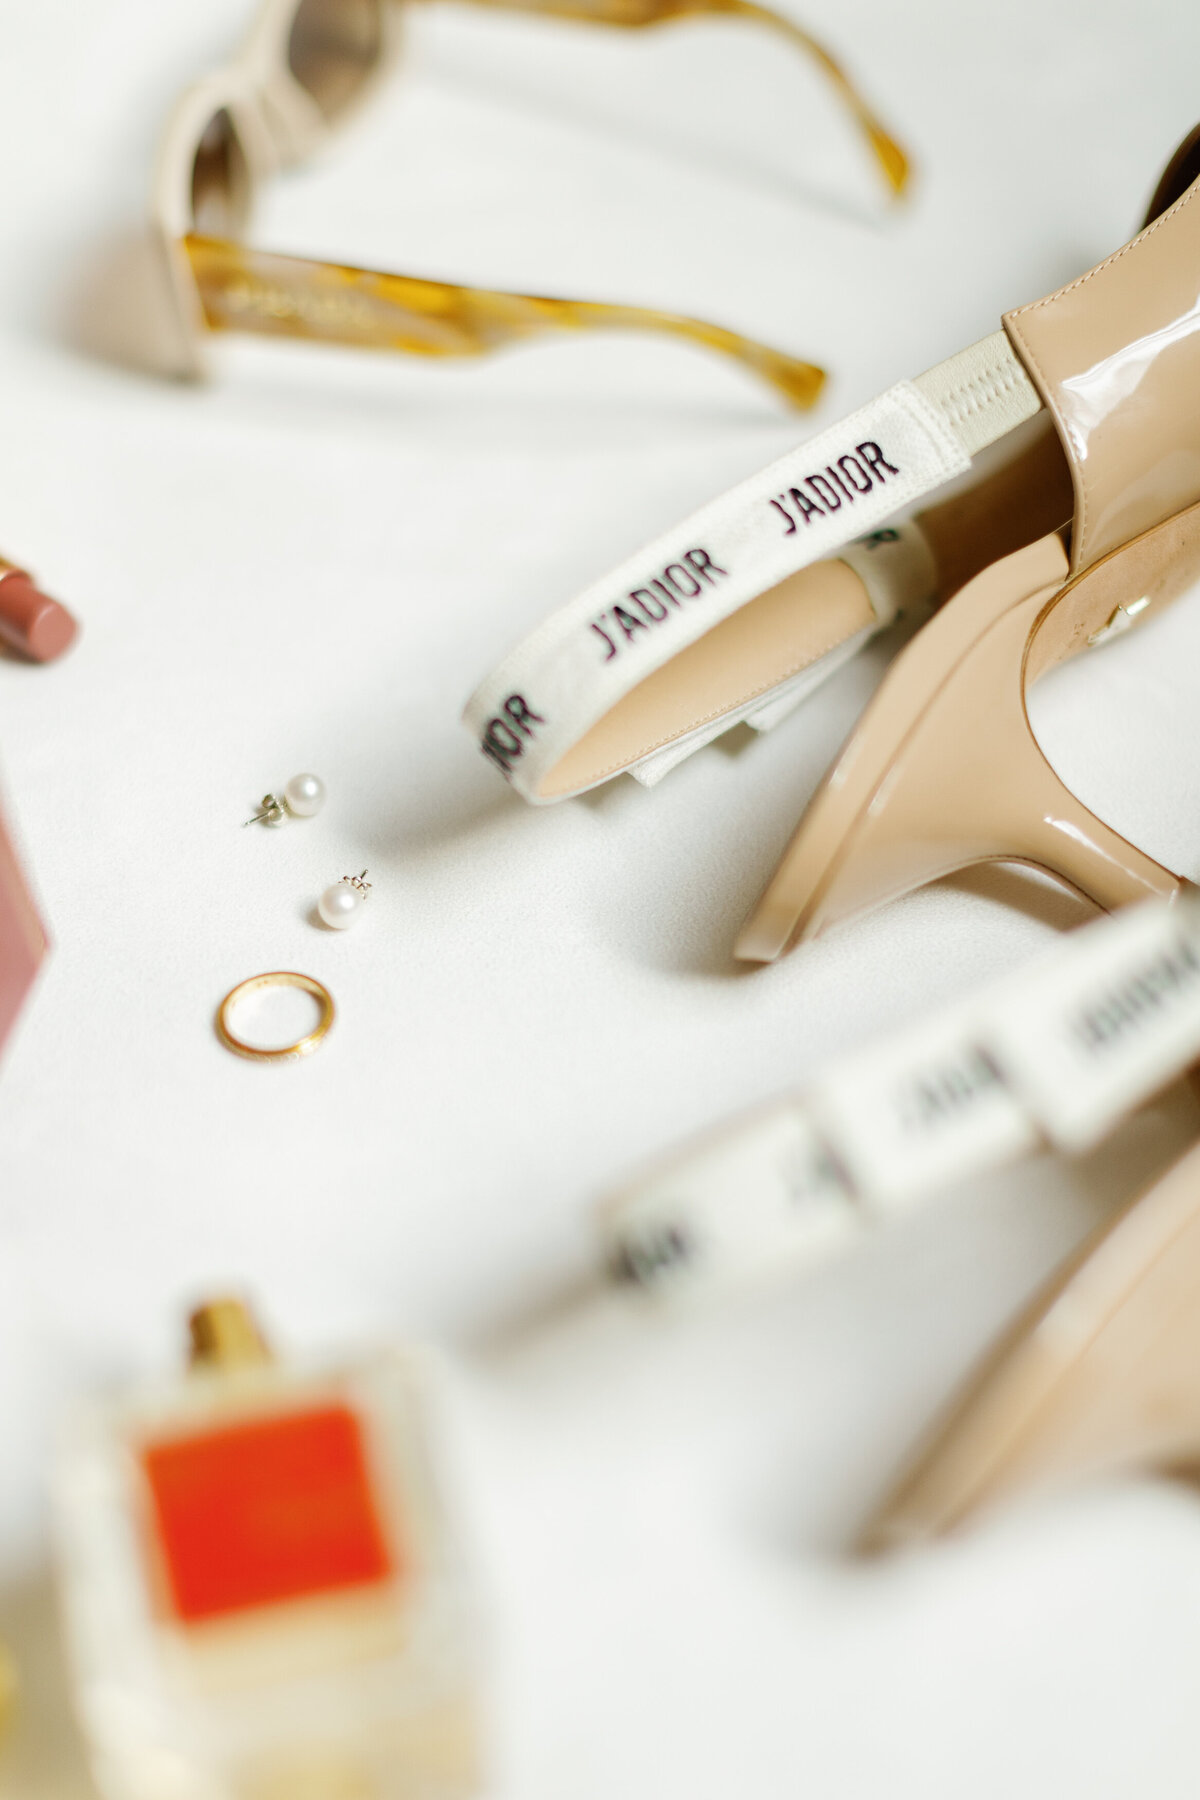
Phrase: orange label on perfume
(270, 1510)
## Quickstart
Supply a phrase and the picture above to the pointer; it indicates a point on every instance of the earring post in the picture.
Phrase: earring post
(271, 809)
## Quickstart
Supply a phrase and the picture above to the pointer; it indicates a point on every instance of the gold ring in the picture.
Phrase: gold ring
(276, 978)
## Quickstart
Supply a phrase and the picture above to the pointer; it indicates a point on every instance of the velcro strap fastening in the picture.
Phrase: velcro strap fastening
(806, 507)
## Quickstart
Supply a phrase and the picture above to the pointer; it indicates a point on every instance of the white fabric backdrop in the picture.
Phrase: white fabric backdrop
(308, 564)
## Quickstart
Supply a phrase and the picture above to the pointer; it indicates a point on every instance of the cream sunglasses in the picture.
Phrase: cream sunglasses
(304, 66)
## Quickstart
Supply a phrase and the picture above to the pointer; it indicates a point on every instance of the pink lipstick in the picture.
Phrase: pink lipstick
(31, 623)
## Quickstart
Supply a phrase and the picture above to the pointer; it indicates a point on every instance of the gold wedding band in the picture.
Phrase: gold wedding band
(276, 978)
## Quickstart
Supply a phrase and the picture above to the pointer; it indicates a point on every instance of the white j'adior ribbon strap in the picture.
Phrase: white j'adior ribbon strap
(1057, 1056)
(838, 487)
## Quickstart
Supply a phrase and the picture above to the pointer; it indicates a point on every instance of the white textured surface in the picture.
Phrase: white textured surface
(309, 565)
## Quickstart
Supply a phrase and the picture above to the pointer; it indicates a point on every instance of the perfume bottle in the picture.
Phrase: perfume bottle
(262, 1592)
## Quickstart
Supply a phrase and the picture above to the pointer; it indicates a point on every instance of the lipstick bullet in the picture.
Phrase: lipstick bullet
(31, 623)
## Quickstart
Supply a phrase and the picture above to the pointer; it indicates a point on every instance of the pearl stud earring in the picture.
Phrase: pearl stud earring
(341, 904)
(303, 796)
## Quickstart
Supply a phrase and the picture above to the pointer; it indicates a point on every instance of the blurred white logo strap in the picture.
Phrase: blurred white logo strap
(1115, 1016)
(831, 490)
(767, 1195)
(1058, 1054)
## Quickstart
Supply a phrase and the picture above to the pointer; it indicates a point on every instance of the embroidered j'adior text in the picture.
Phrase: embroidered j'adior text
(943, 1094)
(1131, 1004)
(504, 738)
(650, 605)
(578, 665)
(840, 482)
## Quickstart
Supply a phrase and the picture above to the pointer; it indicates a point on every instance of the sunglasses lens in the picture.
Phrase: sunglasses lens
(220, 180)
(333, 48)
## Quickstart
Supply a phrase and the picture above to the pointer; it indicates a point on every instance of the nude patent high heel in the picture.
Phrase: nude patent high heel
(1101, 1375)
(943, 770)
(739, 612)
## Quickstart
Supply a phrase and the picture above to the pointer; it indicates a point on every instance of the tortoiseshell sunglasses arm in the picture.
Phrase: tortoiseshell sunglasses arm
(634, 13)
(287, 296)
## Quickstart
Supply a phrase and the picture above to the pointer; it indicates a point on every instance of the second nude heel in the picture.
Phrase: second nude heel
(1099, 1376)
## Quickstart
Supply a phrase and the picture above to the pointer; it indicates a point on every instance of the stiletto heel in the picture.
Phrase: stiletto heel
(944, 770)
(1100, 1375)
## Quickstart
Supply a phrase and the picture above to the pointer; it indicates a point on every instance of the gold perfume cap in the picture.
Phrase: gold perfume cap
(225, 1335)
